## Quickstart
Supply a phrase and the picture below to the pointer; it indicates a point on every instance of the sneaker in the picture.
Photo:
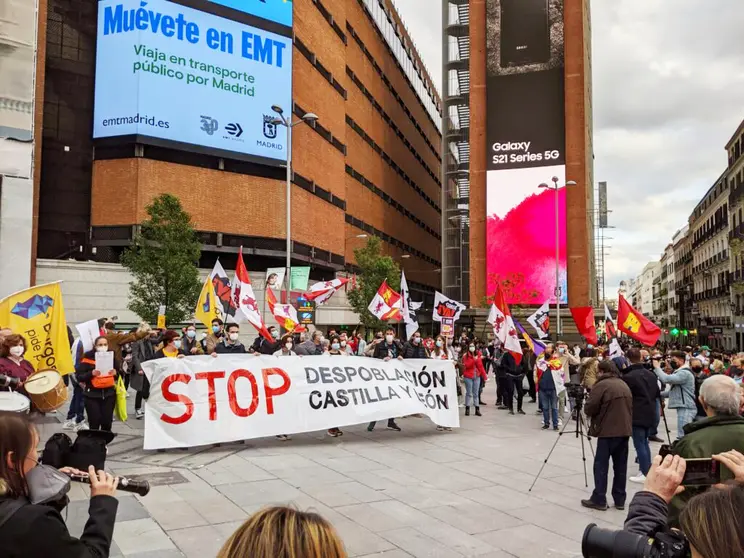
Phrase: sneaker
(620, 507)
(461, 405)
(283, 437)
(502, 407)
(511, 413)
(334, 432)
(139, 414)
(521, 412)
(370, 428)
(593, 505)
(556, 429)
(395, 427)
(640, 478)
(656, 439)
(81, 426)
(545, 426)
(538, 412)
(560, 423)
(69, 424)
(440, 428)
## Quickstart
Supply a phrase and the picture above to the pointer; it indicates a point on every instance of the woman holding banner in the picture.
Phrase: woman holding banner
(441, 352)
(287, 344)
(335, 343)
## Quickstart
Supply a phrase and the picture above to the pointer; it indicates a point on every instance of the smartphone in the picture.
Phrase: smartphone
(525, 32)
(702, 472)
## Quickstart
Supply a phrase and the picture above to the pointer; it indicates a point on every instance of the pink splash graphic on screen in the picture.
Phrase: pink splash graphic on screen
(520, 251)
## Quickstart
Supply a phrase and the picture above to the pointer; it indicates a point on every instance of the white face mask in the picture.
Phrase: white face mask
(288, 346)
(102, 349)
(17, 350)
(177, 343)
(343, 343)
(234, 336)
(389, 338)
(472, 349)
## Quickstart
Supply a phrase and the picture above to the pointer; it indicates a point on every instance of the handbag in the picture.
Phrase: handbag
(120, 408)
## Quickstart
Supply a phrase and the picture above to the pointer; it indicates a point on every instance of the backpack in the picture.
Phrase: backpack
(57, 451)
(90, 449)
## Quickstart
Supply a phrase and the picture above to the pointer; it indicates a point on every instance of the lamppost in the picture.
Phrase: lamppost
(281, 120)
(557, 291)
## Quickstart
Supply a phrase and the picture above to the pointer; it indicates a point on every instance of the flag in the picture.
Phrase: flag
(222, 290)
(321, 292)
(634, 324)
(385, 305)
(446, 308)
(245, 300)
(540, 320)
(207, 307)
(38, 315)
(536, 346)
(609, 323)
(503, 325)
(583, 316)
(407, 307)
(615, 350)
(284, 314)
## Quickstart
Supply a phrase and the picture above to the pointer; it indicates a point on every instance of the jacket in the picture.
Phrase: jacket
(610, 406)
(647, 514)
(472, 366)
(142, 351)
(414, 351)
(308, 348)
(263, 346)
(188, 344)
(211, 341)
(645, 389)
(382, 350)
(588, 372)
(682, 393)
(223, 348)
(507, 366)
(703, 438)
(21, 371)
(84, 375)
(38, 531)
(116, 340)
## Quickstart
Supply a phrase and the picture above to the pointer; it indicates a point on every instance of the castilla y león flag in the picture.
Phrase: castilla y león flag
(583, 316)
(635, 325)
(386, 304)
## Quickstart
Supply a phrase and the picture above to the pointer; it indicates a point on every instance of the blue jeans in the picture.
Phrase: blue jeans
(77, 405)
(472, 385)
(640, 441)
(617, 450)
(684, 416)
(549, 403)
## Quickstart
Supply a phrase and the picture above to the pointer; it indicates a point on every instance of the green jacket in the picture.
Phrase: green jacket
(704, 438)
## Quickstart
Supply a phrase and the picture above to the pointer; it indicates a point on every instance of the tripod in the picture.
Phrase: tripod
(580, 433)
(666, 424)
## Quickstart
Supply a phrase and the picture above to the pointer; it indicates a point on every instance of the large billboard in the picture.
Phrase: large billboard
(191, 78)
(526, 148)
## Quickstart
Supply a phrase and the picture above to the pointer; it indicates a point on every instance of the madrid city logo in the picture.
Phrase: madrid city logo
(209, 125)
(33, 307)
(269, 126)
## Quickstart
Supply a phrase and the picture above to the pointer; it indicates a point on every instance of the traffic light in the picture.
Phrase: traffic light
(675, 332)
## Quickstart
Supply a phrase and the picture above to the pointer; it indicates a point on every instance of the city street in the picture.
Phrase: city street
(417, 493)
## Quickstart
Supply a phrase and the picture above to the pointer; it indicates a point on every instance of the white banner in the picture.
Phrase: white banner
(204, 400)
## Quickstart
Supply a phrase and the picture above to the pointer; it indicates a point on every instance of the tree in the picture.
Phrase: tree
(374, 268)
(163, 260)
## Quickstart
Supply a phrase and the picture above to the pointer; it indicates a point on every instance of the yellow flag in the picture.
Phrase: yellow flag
(39, 315)
(206, 307)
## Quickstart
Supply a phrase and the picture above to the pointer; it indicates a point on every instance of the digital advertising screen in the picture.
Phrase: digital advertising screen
(189, 77)
(525, 131)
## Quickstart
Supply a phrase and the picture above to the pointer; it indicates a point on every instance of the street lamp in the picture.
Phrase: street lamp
(281, 120)
(557, 291)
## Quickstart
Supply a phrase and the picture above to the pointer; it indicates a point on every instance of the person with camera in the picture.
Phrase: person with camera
(721, 431)
(30, 530)
(610, 409)
(682, 390)
(550, 382)
(710, 524)
(645, 390)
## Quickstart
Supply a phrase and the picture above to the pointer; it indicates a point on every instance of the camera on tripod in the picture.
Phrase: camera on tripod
(606, 543)
(576, 391)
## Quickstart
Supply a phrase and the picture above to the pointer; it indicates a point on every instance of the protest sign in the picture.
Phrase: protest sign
(204, 400)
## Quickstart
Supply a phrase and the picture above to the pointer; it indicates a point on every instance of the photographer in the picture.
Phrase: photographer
(610, 408)
(682, 392)
(645, 390)
(722, 430)
(711, 522)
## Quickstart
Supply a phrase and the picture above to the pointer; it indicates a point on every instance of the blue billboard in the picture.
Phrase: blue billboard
(279, 11)
(174, 73)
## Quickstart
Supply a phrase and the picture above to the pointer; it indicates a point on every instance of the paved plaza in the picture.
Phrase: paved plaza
(417, 493)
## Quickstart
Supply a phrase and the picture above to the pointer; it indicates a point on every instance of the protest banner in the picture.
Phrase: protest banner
(204, 400)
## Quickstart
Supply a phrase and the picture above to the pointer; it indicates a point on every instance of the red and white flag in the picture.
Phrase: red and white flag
(245, 300)
(386, 304)
(284, 314)
(609, 324)
(321, 292)
(503, 325)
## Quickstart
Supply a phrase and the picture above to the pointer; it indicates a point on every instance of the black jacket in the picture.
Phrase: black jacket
(507, 366)
(38, 531)
(224, 349)
(645, 389)
(647, 514)
(84, 375)
(414, 351)
(263, 346)
(382, 350)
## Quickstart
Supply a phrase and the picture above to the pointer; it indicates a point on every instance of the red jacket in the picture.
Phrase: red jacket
(473, 365)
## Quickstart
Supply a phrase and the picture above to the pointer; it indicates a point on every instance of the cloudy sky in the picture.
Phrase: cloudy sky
(668, 94)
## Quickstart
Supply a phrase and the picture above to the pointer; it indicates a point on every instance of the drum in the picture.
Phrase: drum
(15, 402)
(46, 389)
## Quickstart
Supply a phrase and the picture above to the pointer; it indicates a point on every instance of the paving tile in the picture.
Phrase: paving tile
(474, 518)
(419, 545)
(198, 542)
(262, 493)
(141, 535)
(529, 541)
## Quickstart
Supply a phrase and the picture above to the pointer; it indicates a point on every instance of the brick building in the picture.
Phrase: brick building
(369, 166)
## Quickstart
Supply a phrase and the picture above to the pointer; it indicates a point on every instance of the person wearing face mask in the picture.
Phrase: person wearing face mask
(216, 334)
(568, 360)
(99, 387)
(172, 345)
(263, 346)
(312, 346)
(345, 345)
(190, 346)
(230, 344)
(473, 373)
(736, 371)
(682, 389)
(12, 363)
(386, 349)
(414, 347)
(38, 530)
(142, 351)
(335, 350)
(287, 344)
